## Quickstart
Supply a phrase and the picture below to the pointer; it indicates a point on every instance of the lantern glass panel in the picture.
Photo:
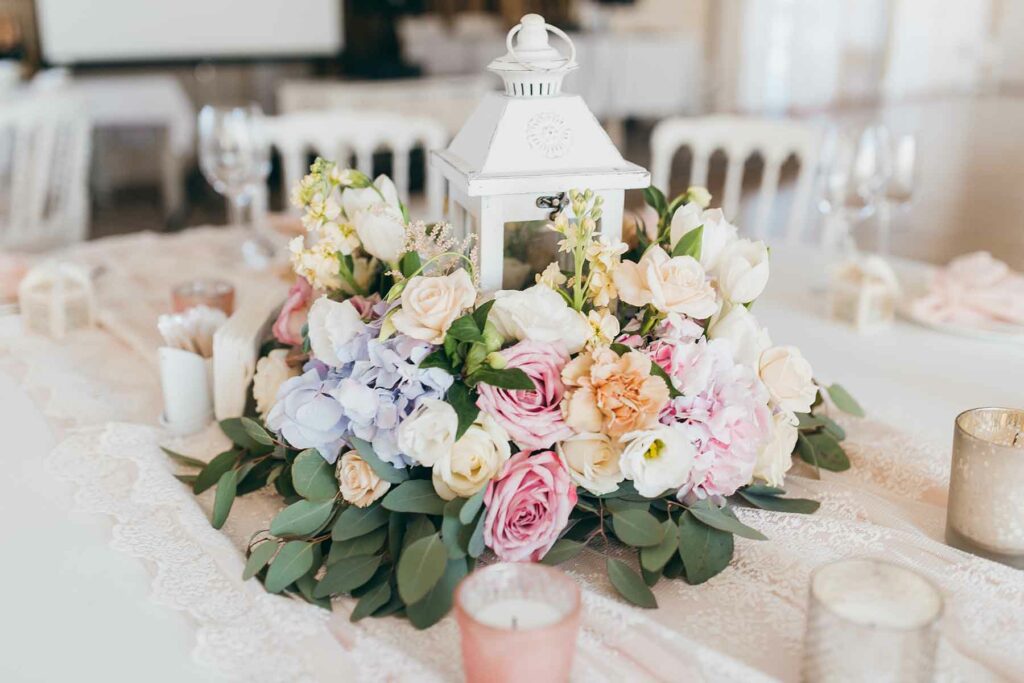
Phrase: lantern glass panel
(529, 247)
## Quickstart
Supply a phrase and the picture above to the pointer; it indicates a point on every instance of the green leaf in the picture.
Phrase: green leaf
(654, 558)
(183, 459)
(805, 449)
(437, 359)
(472, 506)
(227, 486)
(256, 477)
(419, 526)
(655, 198)
(236, 431)
(562, 551)
(844, 401)
(302, 518)
(650, 578)
(256, 431)
(833, 427)
(465, 329)
(482, 312)
(187, 479)
(690, 243)
(384, 470)
(371, 601)
(258, 559)
(409, 264)
(420, 567)
(721, 518)
(312, 477)
(451, 528)
(354, 522)
(346, 575)
(763, 490)
(830, 455)
(293, 560)
(637, 527)
(512, 379)
(807, 421)
(463, 400)
(660, 372)
(436, 603)
(475, 547)
(705, 550)
(396, 529)
(629, 584)
(800, 506)
(368, 544)
(211, 474)
(416, 495)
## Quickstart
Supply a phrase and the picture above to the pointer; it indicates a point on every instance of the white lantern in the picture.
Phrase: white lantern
(520, 152)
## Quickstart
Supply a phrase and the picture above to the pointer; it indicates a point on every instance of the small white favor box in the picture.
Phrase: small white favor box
(57, 298)
(863, 292)
(236, 348)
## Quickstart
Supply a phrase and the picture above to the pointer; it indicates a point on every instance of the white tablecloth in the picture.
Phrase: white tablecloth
(745, 624)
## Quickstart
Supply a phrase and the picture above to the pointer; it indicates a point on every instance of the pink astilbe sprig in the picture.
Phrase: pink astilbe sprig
(438, 245)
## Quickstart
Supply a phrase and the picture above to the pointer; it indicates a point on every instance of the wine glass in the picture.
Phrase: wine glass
(234, 155)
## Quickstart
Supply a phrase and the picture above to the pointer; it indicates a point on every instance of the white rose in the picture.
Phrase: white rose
(788, 377)
(776, 456)
(718, 233)
(331, 324)
(271, 372)
(381, 230)
(593, 462)
(657, 460)
(473, 461)
(429, 432)
(431, 303)
(539, 313)
(742, 271)
(355, 200)
(746, 336)
(671, 284)
(359, 484)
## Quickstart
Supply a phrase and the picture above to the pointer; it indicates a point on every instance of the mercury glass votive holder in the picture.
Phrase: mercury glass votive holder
(871, 620)
(518, 622)
(203, 292)
(985, 513)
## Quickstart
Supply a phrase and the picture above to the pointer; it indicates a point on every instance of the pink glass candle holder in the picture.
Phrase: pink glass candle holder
(203, 292)
(519, 623)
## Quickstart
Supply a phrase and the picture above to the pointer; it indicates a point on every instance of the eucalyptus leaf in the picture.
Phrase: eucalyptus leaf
(416, 495)
(302, 518)
(419, 526)
(472, 506)
(371, 601)
(629, 584)
(355, 521)
(187, 479)
(258, 559)
(451, 528)
(182, 459)
(704, 550)
(800, 506)
(293, 560)
(475, 547)
(256, 431)
(763, 490)
(211, 474)
(808, 422)
(312, 476)
(438, 600)
(637, 527)
(650, 578)
(227, 486)
(384, 470)
(236, 431)
(463, 400)
(830, 455)
(844, 401)
(654, 558)
(420, 567)
(722, 519)
(368, 544)
(562, 551)
(690, 243)
(805, 449)
(833, 427)
(346, 575)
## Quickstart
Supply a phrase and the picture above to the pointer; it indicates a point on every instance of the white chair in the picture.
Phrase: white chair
(45, 141)
(339, 135)
(741, 138)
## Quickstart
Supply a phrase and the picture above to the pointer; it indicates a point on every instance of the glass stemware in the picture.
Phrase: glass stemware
(234, 155)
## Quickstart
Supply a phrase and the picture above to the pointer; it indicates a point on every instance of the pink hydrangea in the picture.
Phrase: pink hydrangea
(533, 419)
(287, 328)
(528, 506)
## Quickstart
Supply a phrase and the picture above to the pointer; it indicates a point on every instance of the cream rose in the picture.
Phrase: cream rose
(742, 271)
(657, 460)
(330, 325)
(473, 461)
(718, 233)
(430, 304)
(671, 284)
(788, 377)
(359, 484)
(593, 462)
(746, 336)
(271, 372)
(776, 456)
(539, 314)
(428, 434)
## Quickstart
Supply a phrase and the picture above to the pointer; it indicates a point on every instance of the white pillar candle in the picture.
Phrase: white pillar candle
(518, 614)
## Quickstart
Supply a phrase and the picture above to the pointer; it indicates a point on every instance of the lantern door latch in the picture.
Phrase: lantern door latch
(555, 202)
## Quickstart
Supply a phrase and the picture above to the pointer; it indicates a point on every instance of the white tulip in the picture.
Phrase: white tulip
(742, 271)
(357, 200)
(746, 336)
(657, 460)
(718, 233)
(330, 325)
(381, 230)
(428, 434)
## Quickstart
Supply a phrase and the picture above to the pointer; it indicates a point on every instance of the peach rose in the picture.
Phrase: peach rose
(612, 394)
(672, 284)
(359, 484)
(430, 304)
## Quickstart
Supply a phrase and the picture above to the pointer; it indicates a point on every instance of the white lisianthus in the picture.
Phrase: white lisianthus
(331, 324)
(271, 372)
(431, 303)
(670, 284)
(746, 336)
(742, 271)
(593, 462)
(381, 229)
(657, 460)
(776, 456)
(788, 377)
(718, 233)
(428, 434)
(358, 483)
(473, 461)
(539, 313)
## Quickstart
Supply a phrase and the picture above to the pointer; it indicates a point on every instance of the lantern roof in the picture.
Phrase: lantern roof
(533, 137)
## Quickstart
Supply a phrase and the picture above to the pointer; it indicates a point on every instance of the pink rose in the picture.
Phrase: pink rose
(533, 419)
(528, 506)
(364, 304)
(288, 326)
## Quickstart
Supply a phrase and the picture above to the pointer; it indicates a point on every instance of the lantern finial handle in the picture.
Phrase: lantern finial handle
(534, 36)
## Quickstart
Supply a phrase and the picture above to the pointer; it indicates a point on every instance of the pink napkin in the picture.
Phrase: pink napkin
(974, 289)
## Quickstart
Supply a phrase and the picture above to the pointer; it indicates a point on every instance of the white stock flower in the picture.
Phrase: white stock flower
(671, 284)
(657, 460)
(331, 324)
(271, 372)
(359, 484)
(593, 462)
(746, 336)
(717, 234)
(431, 303)
(428, 434)
(742, 271)
(539, 313)
(776, 456)
(788, 377)
(473, 461)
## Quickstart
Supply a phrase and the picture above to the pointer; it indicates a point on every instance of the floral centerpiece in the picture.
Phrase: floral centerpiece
(411, 422)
